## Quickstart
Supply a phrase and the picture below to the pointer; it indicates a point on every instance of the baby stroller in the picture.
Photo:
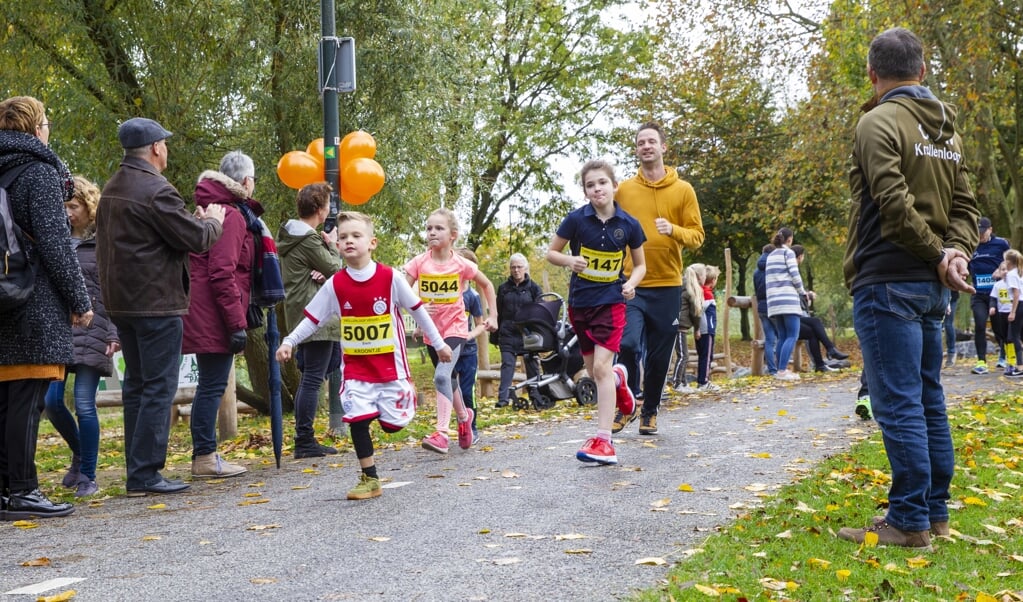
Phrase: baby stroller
(547, 337)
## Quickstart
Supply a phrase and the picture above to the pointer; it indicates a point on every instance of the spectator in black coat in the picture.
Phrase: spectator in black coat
(35, 338)
(515, 292)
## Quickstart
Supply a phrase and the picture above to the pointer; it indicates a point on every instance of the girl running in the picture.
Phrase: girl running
(442, 275)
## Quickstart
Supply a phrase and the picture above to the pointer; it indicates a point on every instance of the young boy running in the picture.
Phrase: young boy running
(598, 235)
(367, 295)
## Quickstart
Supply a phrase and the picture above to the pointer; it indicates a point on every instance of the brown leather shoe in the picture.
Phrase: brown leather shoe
(887, 535)
(648, 425)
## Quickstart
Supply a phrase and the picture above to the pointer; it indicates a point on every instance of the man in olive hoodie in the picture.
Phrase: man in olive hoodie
(666, 207)
(912, 228)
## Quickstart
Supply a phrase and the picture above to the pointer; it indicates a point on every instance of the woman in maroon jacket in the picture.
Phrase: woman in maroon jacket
(220, 289)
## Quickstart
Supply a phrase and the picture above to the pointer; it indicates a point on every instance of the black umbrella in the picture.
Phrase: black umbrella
(274, 382)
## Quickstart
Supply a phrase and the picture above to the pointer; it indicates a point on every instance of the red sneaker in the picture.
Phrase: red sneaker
(436, 442)
(597, 450)
(623, 395)
(465, 431)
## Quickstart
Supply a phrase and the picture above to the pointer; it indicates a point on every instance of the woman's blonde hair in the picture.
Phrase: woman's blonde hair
(87, 194)
(1015, 259)
(22, 114)
(692, 280)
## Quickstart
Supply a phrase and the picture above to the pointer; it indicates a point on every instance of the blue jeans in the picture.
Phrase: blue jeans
(214, 370)
(950, 328)
(152, 355)
(899, 328)
(83, 437)
(314, 360)
(787, 328)
(770, 344)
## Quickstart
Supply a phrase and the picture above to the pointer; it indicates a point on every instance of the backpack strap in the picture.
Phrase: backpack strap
(12, 173)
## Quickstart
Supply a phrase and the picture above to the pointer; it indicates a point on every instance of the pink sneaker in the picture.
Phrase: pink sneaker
(597, 450)
(623, 395)
(465, 431)
(436, 442)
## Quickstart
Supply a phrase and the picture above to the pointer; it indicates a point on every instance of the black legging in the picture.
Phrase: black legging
(980, 303)
(811, 329)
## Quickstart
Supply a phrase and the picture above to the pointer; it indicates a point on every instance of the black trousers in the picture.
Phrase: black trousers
(21, 403)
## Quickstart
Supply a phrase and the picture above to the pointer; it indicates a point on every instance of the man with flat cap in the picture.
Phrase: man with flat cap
(143, 237)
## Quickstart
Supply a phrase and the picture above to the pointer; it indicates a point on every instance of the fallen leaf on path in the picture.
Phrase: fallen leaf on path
(310, 471)
(157, 507)
(652, 561)
(516, 534)
(151, 538)
(579, 551)
(296, 487)
(483, 531)
(262, 580)
(25, 524)
(685, 487)
(253, 502)
(661, 503)
(504, 561)
(380, 538)
(253, 494)
(41, 561)
(760, 455)
(259, 484)
(262, 527)
(61, 597)
(509, 474)
(570, 536)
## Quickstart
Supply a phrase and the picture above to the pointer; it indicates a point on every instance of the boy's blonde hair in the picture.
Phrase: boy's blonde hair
(711, 275)
(355, 216)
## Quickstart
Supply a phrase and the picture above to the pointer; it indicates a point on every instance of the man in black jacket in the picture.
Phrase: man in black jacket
(143, 238)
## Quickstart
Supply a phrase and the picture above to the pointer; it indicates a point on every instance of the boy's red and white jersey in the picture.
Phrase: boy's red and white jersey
(372, 329)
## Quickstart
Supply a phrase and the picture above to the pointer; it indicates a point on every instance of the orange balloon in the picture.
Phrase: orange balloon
(315, 149)
(298, 168)
(357, 144)
(350, 197)
(363, 177)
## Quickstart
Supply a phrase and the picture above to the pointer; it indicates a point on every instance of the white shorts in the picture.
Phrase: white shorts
(393, 403)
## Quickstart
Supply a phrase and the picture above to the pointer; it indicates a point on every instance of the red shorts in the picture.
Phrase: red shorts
(602, 325)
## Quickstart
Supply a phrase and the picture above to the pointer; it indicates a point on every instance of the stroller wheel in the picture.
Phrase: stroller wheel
(541, 401)
(586, 391)
(519, 403)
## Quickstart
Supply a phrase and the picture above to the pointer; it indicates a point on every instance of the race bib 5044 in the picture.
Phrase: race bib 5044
(439, 288)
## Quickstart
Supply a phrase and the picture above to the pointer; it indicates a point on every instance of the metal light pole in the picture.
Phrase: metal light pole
(328, 91)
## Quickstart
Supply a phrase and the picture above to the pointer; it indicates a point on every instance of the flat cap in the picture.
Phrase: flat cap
(139, 131)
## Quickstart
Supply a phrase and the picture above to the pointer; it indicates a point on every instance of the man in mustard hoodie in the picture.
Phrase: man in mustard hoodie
(666, 207)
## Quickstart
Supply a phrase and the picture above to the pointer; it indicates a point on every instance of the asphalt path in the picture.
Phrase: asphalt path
(517, 518)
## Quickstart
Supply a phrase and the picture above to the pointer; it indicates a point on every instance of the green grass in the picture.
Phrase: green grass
(788, 550)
